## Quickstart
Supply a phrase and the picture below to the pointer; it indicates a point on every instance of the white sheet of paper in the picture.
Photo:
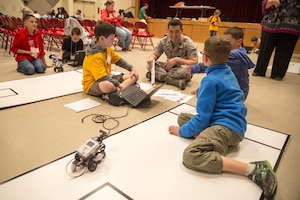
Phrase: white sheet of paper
(83, 104)
(145, 86)
(153, 73)
(173, 95)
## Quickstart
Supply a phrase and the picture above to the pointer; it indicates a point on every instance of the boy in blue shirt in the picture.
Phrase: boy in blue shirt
(220, 122)
(238, 59)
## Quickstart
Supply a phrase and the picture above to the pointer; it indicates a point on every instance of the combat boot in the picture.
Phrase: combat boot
(176, 82)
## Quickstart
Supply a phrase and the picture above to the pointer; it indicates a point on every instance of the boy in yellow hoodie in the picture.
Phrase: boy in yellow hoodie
(97, 78)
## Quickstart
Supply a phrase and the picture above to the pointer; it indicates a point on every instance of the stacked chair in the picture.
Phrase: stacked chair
(9, 27)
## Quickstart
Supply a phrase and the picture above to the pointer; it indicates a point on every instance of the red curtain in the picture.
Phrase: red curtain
(236, 10)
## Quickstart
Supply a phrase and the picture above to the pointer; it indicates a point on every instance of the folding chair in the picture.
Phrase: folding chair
(12, 29)
(89, 25)
(142, 35)
(130, 26)
(58, 35)
(46, 31)
(3, 31)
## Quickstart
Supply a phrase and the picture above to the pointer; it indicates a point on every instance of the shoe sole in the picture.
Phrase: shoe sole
(275, 184)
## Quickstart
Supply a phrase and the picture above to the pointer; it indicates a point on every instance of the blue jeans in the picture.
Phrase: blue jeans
(213, 33)
(124, 36)
(28, 68)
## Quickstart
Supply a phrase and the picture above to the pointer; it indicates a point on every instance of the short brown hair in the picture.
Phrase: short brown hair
(76, 31)
(217, 49)
(236, 32)
(103, 28)
(27, 16)
(109, 2)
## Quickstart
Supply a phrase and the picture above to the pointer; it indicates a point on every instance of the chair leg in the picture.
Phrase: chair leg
(49, 47)
(133, 42)
(151, 42)
(145, 44)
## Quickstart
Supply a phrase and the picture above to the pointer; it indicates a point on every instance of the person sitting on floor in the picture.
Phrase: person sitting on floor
(220, 122)
(71, 44)
(180, 50)
(97, 78)
(255, 44)
(238, 59)
(28, 47)
(112, 16)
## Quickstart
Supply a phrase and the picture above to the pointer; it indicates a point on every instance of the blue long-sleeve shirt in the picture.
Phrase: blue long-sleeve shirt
(239, 62)
(220, 102)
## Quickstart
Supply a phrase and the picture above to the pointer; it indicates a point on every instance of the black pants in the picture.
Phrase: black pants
(284, 44)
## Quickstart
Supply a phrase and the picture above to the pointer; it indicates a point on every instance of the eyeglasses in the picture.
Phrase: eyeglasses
(205, 54)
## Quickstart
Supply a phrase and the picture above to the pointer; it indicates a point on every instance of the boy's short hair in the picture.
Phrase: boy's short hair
(236, 32)
(27, 16)
(109, 2)
(254, 39)
(175, 22)
(76, 31)
(217, 49)
(103, 28)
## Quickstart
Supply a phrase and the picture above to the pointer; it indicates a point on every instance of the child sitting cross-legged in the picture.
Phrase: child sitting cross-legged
(97, 78)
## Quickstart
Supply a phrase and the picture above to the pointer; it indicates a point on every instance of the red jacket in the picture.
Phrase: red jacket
(21, 41)
(111, 17)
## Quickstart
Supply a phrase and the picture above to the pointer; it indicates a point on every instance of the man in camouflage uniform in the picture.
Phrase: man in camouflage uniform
(180, 50)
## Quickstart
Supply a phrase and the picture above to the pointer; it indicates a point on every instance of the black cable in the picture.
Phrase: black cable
(98, 118)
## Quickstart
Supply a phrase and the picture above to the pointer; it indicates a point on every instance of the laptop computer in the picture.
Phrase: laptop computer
(78, 60)
(134, 95)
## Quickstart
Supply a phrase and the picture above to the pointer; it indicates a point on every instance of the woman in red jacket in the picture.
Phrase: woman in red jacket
(29, 49)
(112, 16)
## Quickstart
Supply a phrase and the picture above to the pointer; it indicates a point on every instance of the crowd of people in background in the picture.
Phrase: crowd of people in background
(61, 12)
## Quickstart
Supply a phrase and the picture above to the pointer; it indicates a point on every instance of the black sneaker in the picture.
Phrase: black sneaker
(264, 176)
(115, 99)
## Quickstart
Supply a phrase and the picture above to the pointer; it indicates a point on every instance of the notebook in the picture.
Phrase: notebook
(134, 95)
(78, 60)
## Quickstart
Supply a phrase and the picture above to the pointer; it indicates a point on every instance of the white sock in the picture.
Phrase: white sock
(250, 168)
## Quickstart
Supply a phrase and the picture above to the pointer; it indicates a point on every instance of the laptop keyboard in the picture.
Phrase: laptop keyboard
(136, 97)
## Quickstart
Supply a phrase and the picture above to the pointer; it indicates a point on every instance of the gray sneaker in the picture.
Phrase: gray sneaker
(176, 82)
(264, 176)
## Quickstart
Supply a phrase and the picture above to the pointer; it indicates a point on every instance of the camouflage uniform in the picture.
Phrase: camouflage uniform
(184, 49)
